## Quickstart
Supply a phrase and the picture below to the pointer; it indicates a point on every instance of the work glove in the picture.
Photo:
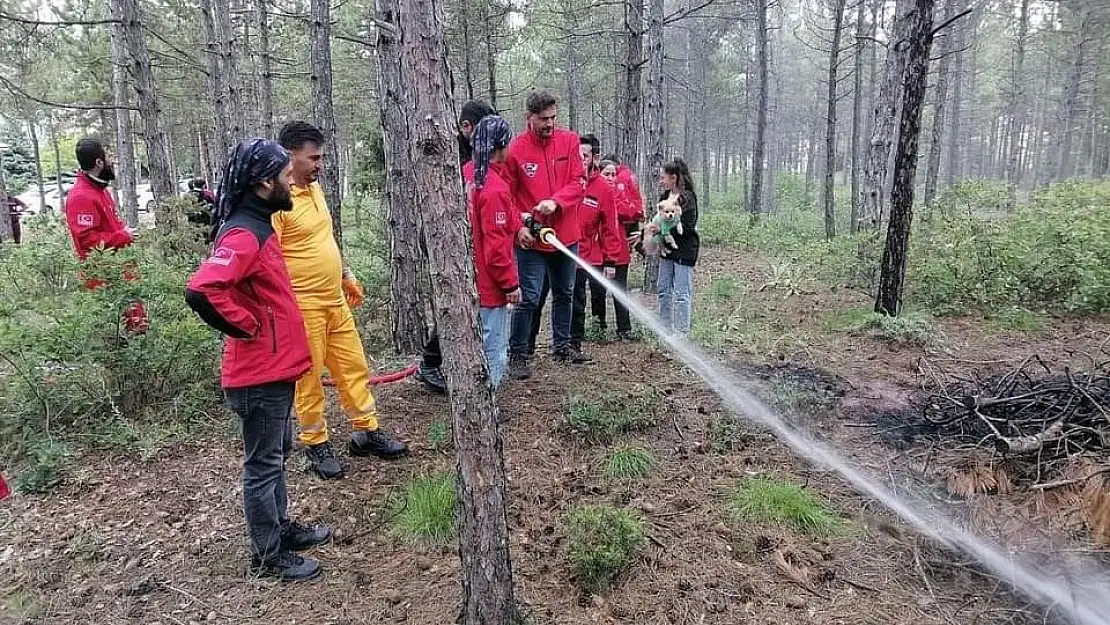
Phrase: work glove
(352, 291)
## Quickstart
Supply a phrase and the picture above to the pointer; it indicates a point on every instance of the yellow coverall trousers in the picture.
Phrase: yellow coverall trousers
(335, 344)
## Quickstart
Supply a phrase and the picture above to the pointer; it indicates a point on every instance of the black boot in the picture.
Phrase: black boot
(377, 443)
(432, 378)
(286, 566)
(323, 461)
(571, 353)
(298, 536)
(518, 368)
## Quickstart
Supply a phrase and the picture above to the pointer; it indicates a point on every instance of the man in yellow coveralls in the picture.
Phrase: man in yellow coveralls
(325, 291)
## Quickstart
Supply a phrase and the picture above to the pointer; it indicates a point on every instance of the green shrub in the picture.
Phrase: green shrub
(424, 510)
(629, 462)
(602, 543)
(766, 499)
(909, 328)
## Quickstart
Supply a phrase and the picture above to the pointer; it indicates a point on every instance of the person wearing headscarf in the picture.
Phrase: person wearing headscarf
(243, 290)
(493, 227)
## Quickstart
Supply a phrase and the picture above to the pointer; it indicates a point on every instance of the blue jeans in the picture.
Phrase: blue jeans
(266, 413)
(495, 340)
(676, 295)
(532, 266)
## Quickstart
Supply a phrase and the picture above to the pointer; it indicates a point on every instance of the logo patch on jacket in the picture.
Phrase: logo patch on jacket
(85, 219)
(530, 169)
(500, 218)
(222, 256)
(590, 201)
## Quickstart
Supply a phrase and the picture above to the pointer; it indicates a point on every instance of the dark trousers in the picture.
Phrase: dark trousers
(532, 267)
(624, 322)
(433, 357)
(265, 412)
(597, 305)
(538, 316)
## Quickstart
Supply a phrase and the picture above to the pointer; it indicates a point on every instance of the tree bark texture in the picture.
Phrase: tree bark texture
(36, 153)
(654, 118)
(124, 148)
(1017, 98)
(399, 194)
(892, 276)
(827, 193)
(755, 205)
(157, 144)
(860, 47)
(483, 528)
(873, 193)
(265, 77)
(628, 144)
(1070, 106)
(6, 233)
(214, 85)
(228, 79)
(324, 111)
(956, 105)
(936, 142)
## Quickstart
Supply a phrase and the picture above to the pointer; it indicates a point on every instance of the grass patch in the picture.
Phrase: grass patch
(602, 543)
(785, 503)
(44, 472)
(630, 462)
(424, 510)
(724, 288)
(609, 415)
(439, 434)
(910, 328)
(847, 319)
(1015, 319)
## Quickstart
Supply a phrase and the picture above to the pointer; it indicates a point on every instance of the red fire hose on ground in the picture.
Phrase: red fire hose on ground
(385, 378)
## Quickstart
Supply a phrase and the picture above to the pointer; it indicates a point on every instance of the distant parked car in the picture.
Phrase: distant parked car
(30, 197)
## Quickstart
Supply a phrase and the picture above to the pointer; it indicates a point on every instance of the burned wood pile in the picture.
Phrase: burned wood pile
(1030, 410)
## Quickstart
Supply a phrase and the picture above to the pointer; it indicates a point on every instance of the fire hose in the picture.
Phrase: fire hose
(385, 378)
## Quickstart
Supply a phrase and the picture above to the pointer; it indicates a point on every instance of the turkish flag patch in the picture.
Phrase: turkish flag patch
(85, 219)
(500, 218)
(590, 201)
(222, 256)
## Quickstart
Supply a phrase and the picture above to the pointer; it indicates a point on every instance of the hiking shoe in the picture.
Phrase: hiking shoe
(298, 536)
(432, 378)
(570, 353)
(377, 443)
(519, 369)
(286, 566)
(323, 461)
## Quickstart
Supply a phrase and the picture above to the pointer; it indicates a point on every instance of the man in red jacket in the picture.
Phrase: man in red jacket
(243, 290)
(544, 171)
(630, 212)
(601, 240)
(93, 222)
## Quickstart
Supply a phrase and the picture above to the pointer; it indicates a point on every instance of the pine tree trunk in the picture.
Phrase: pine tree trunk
(57, 165)
(6, 232)
(654, 118)
(857, 115)
(892, 277)
(955, 132)
(873, 194)
(33, 132)
(827, 193)
(491, 57)
(214, 83)
(227, 80)
(1016, 113)
(399, 194)
(759, 149)
(265, 77)
(628, 146)
(1070, 105)
(323, 111)
(571, 82)
(483, 527)
(156, 141)
(124, 148)
(932, 164)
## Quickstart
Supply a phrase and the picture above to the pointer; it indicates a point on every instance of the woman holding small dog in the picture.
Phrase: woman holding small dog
(676, 226)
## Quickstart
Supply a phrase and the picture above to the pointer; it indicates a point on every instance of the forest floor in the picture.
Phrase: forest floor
(160, 540)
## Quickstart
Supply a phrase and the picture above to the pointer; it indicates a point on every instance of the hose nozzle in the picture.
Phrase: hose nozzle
(547, 235)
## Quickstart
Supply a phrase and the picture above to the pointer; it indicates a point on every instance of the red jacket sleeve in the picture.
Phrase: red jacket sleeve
(499, 226)
(92, 227)
(210, 291)
(634, 203)
(571, 194)
(611, 235)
